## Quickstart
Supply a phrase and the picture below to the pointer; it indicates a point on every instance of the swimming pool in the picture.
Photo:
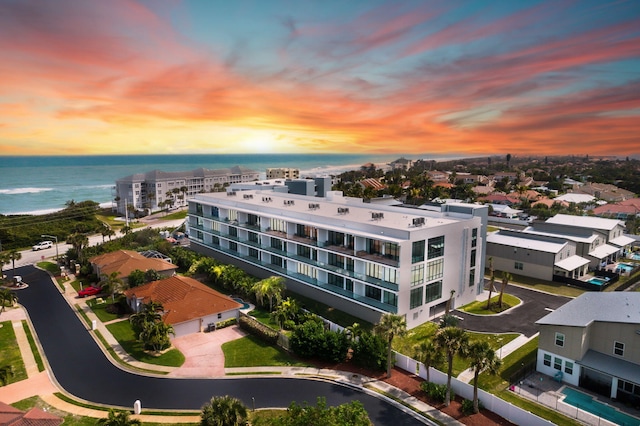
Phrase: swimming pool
(625, 267)
(598, 280)
(635, 256)
(587, 403)
(245, 305)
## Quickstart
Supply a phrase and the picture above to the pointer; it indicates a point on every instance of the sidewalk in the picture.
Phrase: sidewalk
(196, 365)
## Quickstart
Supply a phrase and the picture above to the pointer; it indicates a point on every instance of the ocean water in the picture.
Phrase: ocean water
(41, 184)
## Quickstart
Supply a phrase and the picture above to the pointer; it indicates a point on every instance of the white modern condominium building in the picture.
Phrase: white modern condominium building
(362, 258)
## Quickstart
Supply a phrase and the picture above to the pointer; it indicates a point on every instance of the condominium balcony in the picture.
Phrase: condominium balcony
(378, 258)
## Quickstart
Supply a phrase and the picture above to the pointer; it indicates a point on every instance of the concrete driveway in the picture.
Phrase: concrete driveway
(203, 352)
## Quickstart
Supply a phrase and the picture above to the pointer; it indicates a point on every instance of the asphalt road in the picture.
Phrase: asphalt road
(82, 369)
(519, 320)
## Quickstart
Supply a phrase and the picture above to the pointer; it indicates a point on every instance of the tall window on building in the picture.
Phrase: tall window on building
(417, 251)
(233, 246)
(472, 277)
(276, 260)
(415, 298)
(392, 251)
(307, 270)
(278, 225)
(435, 269)
(254, 253)
(435, 247)
(215, 212)
(474, 237)
(198, 208)
(348, 285)
(472, 261)
(559, 339)
(253, 220)
(253, 237)
(433, 291)
(276, 243)
(233, 214)
(335, 238)
(417, 275)
(335, 280)
(618, 348)
(374, 246)
(390, 298)
(336, 260)
(233, 231)
(373, 292)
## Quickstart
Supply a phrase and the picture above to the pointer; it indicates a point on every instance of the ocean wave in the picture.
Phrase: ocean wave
(13, 191)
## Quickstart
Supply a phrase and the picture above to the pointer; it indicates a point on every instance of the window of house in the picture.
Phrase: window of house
(415, 298)
(219, 316)
(433, 291)
(560, 339)
(557, 363)
(618, 348)
(417, 251)
(518, 266)
(417, 275)
(547, 360)
(435, 247)
(568, 367)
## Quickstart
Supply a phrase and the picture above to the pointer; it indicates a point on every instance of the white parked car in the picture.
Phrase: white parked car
(42, 245)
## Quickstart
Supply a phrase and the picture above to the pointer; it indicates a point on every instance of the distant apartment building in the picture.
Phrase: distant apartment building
(362, 258)
(150, 190)
(283, 173)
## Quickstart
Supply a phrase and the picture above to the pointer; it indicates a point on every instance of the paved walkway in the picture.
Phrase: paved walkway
(204, 359)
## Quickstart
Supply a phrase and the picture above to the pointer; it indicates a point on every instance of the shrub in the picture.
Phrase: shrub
(467, 406)
(437, 392)
(259, 330)
(226, 323)
(307, 339)
(370, 351)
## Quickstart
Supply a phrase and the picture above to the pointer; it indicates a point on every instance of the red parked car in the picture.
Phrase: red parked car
(89, 291)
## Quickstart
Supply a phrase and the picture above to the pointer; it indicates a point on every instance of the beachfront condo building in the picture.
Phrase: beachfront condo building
(154, 190)
(283, 173)
(359, 257)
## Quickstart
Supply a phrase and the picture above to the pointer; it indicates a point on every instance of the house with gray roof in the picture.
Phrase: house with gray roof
(594, 342)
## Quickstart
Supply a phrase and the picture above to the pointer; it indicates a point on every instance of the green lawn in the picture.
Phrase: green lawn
(250, 351)
(100, 309)
(123, 333)
(264, 317)
(10, 353)
(479, 307)
(33, 346)
(174, 216)
(50, 267)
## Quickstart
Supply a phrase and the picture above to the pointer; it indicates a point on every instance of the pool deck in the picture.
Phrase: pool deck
(546, 391)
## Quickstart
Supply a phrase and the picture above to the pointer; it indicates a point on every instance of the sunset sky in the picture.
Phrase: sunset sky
(358, 76)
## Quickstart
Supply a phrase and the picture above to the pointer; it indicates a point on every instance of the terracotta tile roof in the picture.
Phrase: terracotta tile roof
(183, 298)
(614, 209)
(35, 417)
(372, 183)
(126, 261)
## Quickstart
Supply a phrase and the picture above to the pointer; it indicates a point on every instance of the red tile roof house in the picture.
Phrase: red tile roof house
(127, 261)
(11, 416)
(189, 306)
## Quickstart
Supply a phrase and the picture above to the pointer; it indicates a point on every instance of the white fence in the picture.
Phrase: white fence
(492, 403)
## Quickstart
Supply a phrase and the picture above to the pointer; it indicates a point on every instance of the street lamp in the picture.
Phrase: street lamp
(56, 238)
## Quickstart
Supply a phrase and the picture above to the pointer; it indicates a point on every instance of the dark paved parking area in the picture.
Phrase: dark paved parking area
(517, 320)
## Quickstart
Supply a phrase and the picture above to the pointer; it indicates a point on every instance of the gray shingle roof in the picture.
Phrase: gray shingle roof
(622, 307)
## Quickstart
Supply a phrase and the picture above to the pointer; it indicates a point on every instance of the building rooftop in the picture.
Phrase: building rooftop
(525, 243)
(336, 211)
(621, 307)
(590, 222)
(126, 261)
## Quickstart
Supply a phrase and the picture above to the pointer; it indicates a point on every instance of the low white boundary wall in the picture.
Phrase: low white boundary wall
(491, 402)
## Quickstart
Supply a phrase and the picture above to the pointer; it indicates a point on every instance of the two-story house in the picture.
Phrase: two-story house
(594, 342)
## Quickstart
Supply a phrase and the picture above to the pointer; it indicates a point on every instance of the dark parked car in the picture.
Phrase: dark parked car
(89, 291)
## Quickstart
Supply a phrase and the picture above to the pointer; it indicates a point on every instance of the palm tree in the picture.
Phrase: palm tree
(155, 336)
(111, 283)
(492, 280)
(271, 288)
(118, 418)
(126, 230)
(354, 331)
(390, 326)
(223, 411)
(151, 312)
(4, 259)
(78, 241)
(7, 296)
(482, 358)
(14, 255)
(452, 340)
(506, 277)
(429, 354)
(184, 191)
(6, 372)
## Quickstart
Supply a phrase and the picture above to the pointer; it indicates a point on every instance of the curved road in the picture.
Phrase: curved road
(83, 370)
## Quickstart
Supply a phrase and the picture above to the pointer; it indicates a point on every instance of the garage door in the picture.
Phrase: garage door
(187, 328)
